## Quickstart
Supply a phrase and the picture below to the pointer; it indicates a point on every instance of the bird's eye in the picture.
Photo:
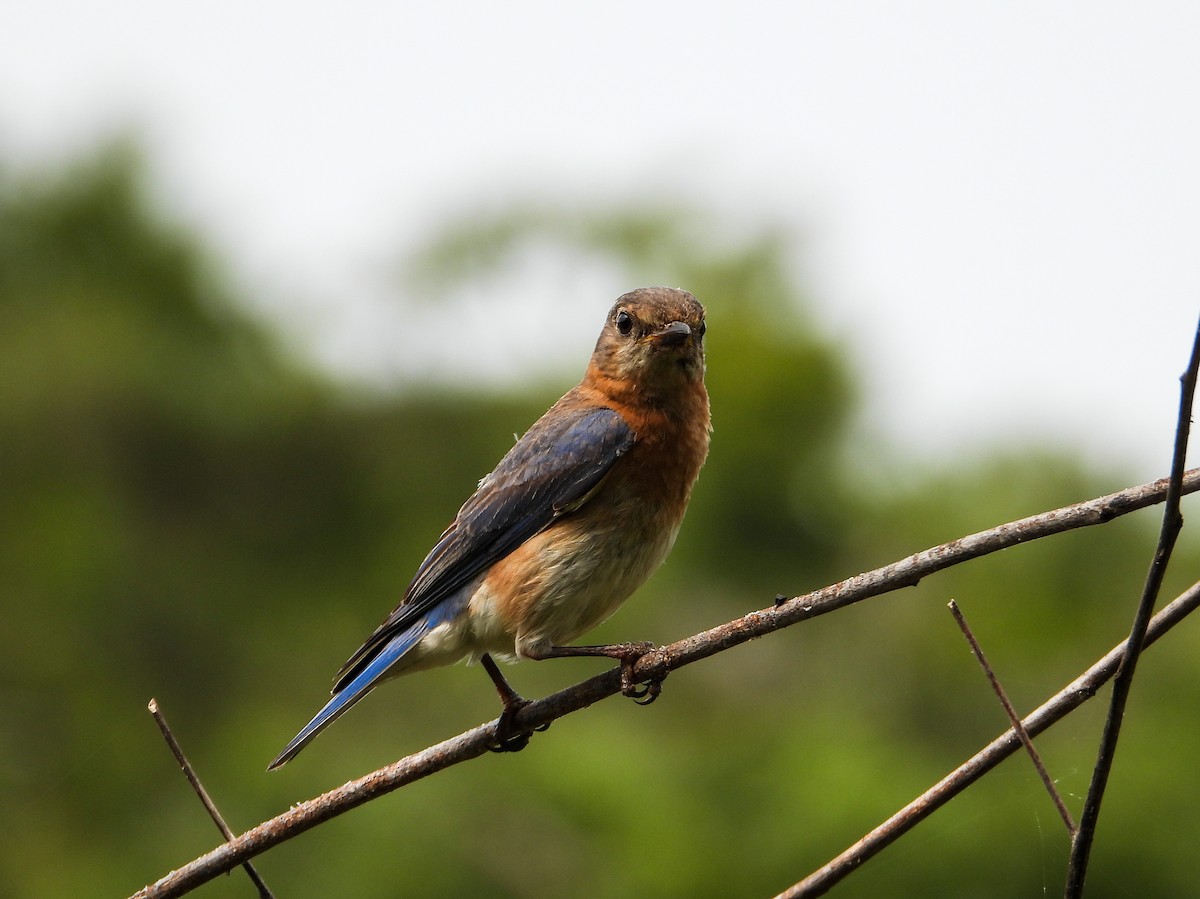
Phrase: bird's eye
(701, 328)
(624, 322)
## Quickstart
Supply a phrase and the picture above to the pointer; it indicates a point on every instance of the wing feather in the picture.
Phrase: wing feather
(549, 472)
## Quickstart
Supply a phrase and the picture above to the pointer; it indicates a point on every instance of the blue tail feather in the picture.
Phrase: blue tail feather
(355, 690)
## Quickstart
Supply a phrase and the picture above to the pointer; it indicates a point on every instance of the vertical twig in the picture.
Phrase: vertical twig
(189, 772)
(1172, 523)
(1013, 718)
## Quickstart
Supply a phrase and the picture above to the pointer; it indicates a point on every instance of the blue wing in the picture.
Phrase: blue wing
(549, 472)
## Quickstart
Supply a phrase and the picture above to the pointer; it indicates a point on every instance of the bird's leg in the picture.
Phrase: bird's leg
(643, 693)
(508, 737)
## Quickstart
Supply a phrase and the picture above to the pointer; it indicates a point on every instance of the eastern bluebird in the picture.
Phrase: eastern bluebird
(574, 518)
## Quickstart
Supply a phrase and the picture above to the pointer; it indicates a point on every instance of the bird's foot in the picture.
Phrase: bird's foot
(508, 737)
(645, 691)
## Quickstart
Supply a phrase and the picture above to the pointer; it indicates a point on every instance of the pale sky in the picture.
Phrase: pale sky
(998, 204)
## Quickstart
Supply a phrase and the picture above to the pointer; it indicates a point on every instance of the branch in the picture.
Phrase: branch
(1172, 524)
(211, 807)
(1057, 707)
(904, 573)
(1018, 727)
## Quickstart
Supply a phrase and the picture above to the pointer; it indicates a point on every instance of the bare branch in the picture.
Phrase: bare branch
(1172, 523)
(907, 572)
(1013, 718)
(1053, 710)
(194, 779)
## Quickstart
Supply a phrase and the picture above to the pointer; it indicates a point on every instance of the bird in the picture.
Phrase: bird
(573, 519)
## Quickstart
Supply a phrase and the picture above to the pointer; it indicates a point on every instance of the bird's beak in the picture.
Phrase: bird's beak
(672, 335)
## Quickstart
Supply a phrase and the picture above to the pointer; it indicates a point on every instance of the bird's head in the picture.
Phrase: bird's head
(652, 342)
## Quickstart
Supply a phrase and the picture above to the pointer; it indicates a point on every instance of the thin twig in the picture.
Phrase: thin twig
(190, 772)
(1013, 718)
(1053, 710)
(1172, 523)
(907, 572)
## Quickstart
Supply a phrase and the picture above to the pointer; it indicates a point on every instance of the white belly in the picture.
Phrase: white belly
(568, 587)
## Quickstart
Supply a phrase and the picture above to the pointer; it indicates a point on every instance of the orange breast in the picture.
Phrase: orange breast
(566, 580)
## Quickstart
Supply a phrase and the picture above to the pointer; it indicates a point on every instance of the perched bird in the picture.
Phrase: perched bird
(574, 518)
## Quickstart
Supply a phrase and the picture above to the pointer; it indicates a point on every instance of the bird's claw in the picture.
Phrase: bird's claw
(642, 692)
(645, 692)
(513, 743)
(508, 738)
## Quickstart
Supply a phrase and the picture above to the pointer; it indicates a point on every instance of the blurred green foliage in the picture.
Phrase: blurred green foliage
(189, 513)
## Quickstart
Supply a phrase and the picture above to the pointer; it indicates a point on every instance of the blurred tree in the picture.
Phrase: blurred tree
(188, 512)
